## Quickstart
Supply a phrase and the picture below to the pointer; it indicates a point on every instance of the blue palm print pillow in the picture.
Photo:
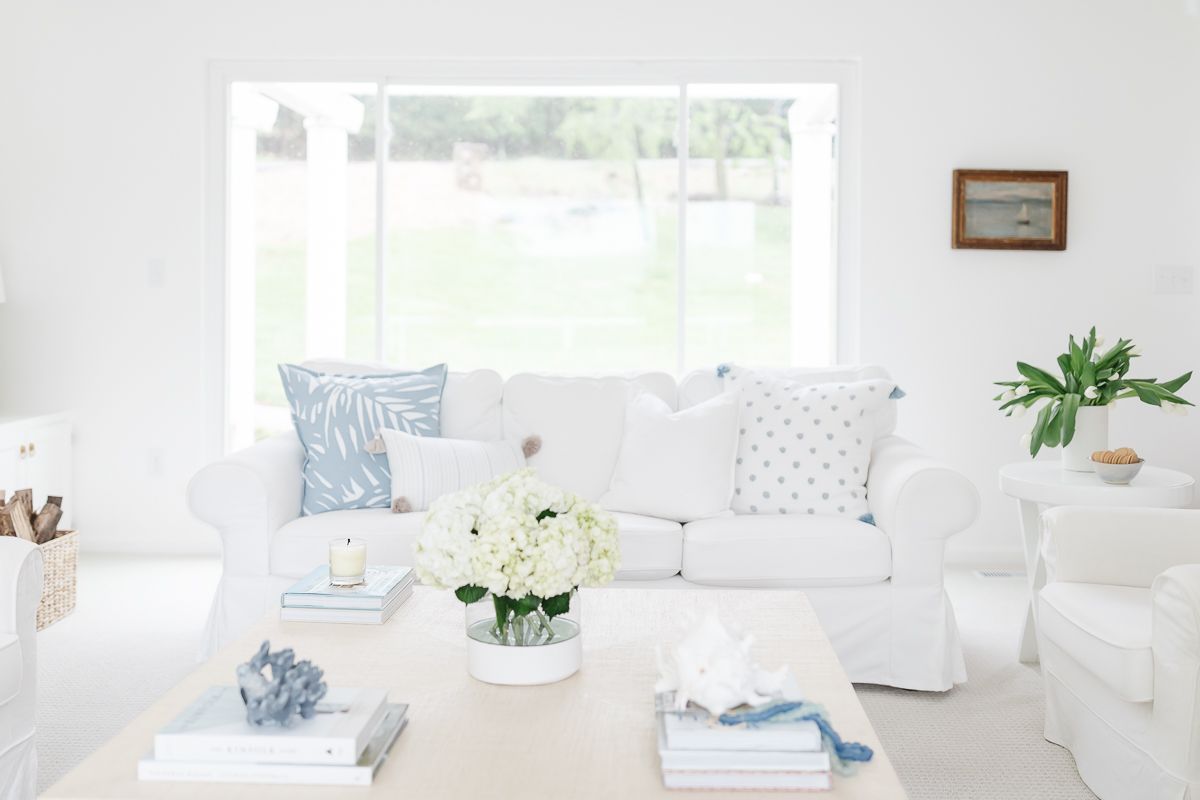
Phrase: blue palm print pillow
(337, 416)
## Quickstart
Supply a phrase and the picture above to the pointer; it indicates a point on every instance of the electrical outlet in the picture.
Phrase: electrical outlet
(1174, 279)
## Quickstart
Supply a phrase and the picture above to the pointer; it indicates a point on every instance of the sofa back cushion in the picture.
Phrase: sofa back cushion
(470, 401)
(701, 385)
(580, 421)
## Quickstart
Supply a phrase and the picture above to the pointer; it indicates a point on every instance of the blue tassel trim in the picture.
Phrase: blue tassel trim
(846, 754)
(722, 370)
(868, 518)
(897, 394)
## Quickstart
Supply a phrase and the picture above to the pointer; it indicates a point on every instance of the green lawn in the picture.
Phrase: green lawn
(481, 295)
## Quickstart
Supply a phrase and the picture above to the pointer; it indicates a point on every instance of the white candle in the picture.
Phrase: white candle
(347, 561)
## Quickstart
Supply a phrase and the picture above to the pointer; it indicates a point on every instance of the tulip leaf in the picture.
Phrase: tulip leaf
(1039, 429)
(1175, 384)
(1040, 376)
(1053, 431)
(1070, 407)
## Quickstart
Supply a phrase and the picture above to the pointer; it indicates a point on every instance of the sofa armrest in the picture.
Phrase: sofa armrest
(249, 495)
(919, 502)
(1118, 546)
(1176, 645)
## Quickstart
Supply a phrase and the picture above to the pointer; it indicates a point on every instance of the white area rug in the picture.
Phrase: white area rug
(138, 622)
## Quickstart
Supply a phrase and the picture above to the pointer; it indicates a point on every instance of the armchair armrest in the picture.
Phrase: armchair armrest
(20, 592)
(1118, 546)
(1176, 645)
(919, 502)
(20, 586)
(249, 495)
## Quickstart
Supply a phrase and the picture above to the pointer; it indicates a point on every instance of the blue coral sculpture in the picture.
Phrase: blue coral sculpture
(293, 689)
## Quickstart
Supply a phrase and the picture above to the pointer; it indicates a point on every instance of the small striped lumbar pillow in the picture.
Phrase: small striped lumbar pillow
(425, 467)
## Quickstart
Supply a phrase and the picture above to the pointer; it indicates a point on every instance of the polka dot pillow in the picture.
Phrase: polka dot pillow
(805, 448)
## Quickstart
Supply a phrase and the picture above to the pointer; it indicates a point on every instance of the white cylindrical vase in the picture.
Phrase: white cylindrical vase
(1091, 434)
(528, 649)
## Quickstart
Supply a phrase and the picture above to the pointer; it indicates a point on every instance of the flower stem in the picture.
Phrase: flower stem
(545, 623)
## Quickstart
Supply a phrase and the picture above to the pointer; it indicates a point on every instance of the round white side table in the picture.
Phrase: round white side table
(1038, 485)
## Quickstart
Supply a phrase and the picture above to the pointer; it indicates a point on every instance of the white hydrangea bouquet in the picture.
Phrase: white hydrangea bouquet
(528, 544)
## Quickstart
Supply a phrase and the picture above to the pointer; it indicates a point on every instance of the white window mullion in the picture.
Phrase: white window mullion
(681, 244)
(381, 163)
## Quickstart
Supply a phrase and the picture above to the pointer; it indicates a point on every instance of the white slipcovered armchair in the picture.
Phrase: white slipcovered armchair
(20, 592)
(1119, 634)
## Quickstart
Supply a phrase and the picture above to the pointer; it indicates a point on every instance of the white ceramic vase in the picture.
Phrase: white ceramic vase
(1091, 434)
(527, 650)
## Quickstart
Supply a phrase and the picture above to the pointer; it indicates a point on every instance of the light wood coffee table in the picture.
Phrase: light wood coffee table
(590, 736)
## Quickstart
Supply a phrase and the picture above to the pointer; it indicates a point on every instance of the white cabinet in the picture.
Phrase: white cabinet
(35, 452)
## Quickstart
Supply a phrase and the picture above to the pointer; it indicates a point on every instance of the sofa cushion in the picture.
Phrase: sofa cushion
(425, 468)
(805, 448)
(1106, 629)
(676, 465)
(704, 384)
(650, 548)
(470, 401)
(337, 418)
(580, 422)
(11, 667)
(785, 551)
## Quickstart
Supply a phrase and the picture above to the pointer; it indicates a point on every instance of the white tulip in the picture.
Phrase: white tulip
(1099, 340)
(1009, 395)
(1168, 408)
(1018, 412)
(1135, 351)
(1026, 440)
(1021, 390)
(1181, 410)
(1091, 393)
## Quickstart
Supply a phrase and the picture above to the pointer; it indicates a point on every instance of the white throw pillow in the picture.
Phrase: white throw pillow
(677, 465)
(805, 448)
(426, 467)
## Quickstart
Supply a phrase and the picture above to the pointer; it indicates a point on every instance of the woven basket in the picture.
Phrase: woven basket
(60, 557)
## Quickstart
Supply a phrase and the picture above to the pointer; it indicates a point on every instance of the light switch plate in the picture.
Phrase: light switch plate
(1174, 279)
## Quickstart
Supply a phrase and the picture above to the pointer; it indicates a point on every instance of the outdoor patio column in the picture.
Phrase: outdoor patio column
(814, 272)
(325, 299)
(250, 113)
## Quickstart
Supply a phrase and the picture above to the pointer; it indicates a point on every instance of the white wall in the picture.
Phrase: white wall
(1106, 90)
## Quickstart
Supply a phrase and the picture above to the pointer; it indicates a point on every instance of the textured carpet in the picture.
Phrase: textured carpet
(983, 740)
(135, 632)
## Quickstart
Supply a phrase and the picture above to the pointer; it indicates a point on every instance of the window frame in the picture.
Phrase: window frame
(506, 72)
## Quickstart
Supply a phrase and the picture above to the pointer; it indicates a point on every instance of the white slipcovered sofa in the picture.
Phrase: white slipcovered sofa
(878, 588)
(1119, 636)
(20, 592)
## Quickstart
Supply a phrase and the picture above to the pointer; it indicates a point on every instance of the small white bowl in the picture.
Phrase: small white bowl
(1118, 474)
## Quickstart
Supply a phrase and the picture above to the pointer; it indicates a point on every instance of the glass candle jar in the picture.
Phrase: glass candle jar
(347, 561)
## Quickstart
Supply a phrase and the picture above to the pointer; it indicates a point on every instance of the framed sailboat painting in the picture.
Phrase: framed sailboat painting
(1009, 210)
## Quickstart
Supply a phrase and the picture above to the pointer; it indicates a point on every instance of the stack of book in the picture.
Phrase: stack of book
(314, 599)
(698, 753)
(344, 744)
